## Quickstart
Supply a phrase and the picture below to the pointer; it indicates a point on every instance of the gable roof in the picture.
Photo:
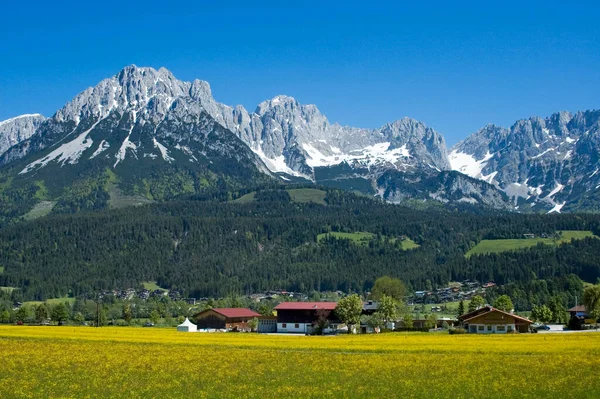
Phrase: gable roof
(306, 306)
(489, 309)
(236, 312)
(578, 308)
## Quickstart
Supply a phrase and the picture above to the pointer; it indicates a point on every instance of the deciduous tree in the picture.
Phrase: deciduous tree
(476, 302)
(591, 300)
(41, 313)
(541, 313)
(389, 286)
(59, 312)
(503, 302)
(349, 310)
(408, 320)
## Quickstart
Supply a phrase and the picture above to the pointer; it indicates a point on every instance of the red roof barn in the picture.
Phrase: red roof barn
(225, 318)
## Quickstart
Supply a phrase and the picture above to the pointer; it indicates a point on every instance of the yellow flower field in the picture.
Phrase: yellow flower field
(85, 362)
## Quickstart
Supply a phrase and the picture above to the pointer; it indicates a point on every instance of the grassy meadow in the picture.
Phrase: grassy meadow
(85, 362)
(496, 246)
(363, 238)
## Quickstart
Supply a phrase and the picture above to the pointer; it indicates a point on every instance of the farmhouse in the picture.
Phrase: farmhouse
(300, 317)
(489, 320)
(225, 319)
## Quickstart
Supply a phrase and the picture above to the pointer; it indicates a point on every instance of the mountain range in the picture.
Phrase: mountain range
(143, 135)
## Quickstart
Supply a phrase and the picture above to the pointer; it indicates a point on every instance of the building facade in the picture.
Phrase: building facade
(489, 320)
(302, 317)
(225, 319)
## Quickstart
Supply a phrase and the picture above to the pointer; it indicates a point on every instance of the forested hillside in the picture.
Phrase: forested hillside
(214, 248)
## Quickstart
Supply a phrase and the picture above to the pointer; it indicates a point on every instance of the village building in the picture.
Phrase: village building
(301, 317)
(225, 319)
(578, 312)
(187, 326)
(489, 320)
(267, 324)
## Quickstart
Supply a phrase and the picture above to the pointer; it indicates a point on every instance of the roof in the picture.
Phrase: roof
(489, 309)
(578, 308)
(306, 306)
(187, 323)
(236, 312)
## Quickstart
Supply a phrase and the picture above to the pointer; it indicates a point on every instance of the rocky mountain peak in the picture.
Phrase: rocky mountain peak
(18, 129)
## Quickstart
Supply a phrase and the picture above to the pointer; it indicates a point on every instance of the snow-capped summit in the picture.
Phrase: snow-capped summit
(545, 163)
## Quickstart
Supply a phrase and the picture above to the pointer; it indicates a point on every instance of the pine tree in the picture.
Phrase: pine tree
(461, 308)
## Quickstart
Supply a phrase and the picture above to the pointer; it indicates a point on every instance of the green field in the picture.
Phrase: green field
(246, 198)
(304, 195)
(42, 208)
(125, 362)
(7, 289)
(152, 286)
(496, 246)
(363, 238)
(51, 301)
(300, 195)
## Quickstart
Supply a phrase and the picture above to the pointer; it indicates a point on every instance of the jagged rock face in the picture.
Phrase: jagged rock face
(143, 114)
(295, 138)
(16, 130)
(289, 137)
(126, 116)
(448, 187)
(540, 163)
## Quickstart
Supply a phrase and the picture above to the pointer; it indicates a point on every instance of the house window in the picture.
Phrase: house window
(500, 328)
(283, 325)
(489, 327)
(296, 325)
(480, 328)
(509, 328)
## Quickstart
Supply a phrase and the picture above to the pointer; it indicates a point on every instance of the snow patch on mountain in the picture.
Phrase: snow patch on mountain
(163, 150)
(16, 118)
(557, 208)
(277, 164)
(468, 165)
(66, 153)
(104, 145)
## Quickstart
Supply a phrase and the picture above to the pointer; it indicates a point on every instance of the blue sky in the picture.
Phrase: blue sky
(456, 68)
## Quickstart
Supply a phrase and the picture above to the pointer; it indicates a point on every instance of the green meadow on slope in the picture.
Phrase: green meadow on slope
(496, 246)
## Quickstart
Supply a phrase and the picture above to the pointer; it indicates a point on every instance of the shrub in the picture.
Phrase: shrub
(457, 330)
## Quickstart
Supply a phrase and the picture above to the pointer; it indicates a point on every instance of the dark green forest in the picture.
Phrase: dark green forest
(212, 247)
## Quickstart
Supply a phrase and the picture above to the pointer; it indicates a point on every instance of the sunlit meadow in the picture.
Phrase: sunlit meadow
(85, 362)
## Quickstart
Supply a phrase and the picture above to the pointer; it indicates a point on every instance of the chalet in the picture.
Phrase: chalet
(370, 307)
(489, 320)
(225, 319)
(301, 317)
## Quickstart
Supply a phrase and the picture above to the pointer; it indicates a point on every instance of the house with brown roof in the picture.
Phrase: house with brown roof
(578, 311)
(301, 317)
(225, 318)
(489, 320)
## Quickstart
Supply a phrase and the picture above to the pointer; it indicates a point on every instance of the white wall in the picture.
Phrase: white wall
(291, 327)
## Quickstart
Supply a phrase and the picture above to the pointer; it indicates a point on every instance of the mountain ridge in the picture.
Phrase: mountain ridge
(296, 141)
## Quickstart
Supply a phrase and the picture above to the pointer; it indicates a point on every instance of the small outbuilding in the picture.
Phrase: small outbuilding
(187, 326)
